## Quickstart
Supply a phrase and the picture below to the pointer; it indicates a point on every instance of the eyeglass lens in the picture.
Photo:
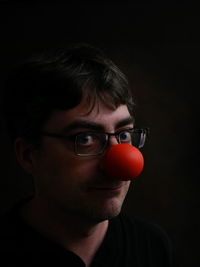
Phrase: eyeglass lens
(90, 143)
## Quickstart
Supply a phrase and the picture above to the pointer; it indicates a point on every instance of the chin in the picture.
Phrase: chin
(105, 205)
(105, 211)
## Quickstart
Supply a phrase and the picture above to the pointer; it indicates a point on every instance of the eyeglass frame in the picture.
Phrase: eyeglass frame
(144, 131)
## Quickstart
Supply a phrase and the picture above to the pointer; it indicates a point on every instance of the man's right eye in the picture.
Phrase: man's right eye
(85, 139)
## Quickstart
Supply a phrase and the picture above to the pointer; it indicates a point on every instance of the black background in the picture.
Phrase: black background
(157, 47)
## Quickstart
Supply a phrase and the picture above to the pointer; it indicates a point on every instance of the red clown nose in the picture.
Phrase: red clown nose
(123, 162)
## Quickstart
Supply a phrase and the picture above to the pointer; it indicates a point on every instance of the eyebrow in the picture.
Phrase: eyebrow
(95, 126)
(124, 122)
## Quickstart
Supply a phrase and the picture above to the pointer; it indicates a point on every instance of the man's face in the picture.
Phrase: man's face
(78, 185)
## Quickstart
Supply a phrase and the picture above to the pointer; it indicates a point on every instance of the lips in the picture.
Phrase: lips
(106, 187)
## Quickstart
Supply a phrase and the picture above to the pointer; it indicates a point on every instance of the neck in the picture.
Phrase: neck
(81, 236)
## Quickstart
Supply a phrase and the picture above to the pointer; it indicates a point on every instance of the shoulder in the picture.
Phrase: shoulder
(5, 223)
(149, 240)
(8, 226)
(11, 222)
(12, 229)
(145, 230)
(144, 226)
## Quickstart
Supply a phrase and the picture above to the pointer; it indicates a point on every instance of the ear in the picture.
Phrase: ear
(24, 153)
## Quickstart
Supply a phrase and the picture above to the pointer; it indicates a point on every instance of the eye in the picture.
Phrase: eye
(125, 136)
(86, 139)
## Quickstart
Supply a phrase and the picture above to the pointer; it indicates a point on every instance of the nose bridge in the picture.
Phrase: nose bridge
(112, 139)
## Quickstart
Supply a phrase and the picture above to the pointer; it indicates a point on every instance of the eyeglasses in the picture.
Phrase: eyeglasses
(95, 143)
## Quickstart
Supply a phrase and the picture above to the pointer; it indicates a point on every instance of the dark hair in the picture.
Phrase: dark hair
(58, 79)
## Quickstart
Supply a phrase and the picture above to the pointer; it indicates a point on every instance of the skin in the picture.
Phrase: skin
(74, 197)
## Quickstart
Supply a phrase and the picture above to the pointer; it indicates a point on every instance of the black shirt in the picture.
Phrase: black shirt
(128, 243)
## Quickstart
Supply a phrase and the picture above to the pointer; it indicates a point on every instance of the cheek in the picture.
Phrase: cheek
(76, 168)
(63, 172)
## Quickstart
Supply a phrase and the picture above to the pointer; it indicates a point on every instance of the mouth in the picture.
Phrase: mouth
(106, 188)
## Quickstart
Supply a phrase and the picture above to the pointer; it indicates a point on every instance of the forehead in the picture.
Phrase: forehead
(101, 114)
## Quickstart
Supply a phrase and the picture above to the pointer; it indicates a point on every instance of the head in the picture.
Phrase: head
(64, 92)
(58, 80)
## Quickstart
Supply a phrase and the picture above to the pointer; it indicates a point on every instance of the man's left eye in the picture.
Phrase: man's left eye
(125, 136)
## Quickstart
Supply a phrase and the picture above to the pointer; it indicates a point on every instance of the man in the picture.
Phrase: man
(63, 110)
